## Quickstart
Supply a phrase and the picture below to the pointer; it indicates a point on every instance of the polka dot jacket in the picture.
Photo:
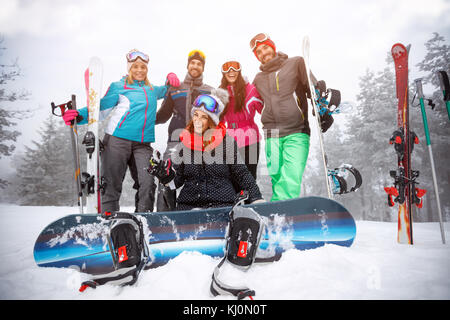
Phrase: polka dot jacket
(211, 178)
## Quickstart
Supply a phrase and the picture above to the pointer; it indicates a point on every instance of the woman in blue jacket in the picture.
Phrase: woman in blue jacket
(130, 105)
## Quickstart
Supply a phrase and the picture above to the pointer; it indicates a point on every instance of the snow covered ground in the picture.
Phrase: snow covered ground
(375, 267)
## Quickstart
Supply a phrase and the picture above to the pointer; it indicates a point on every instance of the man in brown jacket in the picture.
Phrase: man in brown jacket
(283, 85)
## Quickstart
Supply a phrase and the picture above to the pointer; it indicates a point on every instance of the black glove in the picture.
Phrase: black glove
(163, 170)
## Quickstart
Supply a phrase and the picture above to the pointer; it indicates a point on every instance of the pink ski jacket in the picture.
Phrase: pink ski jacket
(241, 126)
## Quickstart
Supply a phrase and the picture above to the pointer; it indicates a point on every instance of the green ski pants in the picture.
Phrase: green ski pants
(286, 161)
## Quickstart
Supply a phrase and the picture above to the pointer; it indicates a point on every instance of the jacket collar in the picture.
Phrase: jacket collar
(196, 82)
(195, 142)
(135, 82)
(275, 63)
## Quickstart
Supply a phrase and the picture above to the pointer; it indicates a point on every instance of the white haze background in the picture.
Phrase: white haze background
(53, 41)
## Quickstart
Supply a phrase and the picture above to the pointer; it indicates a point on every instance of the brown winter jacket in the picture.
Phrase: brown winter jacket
(283, 85)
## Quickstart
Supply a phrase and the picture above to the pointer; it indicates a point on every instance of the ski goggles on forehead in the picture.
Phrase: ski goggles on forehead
(133, 55)
(227, 66)
(260, 37)
(208, 102)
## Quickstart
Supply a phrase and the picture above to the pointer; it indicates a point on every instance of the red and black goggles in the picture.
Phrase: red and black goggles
(231, 65)
(260, 37)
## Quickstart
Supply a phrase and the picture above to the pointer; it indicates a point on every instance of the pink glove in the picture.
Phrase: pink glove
(69, 115)
(172, 80)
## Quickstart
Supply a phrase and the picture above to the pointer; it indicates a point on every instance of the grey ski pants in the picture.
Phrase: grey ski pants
(116, 157)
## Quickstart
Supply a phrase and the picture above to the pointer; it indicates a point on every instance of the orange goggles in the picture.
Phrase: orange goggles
(260, 37)
(227, 66)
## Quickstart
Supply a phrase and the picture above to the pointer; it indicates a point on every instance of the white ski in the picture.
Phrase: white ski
(317, 112)
(93, 80)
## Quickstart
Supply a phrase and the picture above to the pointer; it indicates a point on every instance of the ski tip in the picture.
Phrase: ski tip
(398, 49)
(398, 46)
(305, 41)
(95, 61)
(305, 46)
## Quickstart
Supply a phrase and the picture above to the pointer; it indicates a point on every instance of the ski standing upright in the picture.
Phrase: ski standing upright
(316, 110)
(92, 180)
(403, 139)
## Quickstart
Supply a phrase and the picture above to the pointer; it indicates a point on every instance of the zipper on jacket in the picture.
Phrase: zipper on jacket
(277, 80)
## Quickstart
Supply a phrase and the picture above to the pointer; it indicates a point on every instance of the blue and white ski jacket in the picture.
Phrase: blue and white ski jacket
(132, 109)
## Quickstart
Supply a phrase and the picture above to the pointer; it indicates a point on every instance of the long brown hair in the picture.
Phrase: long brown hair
(207, 138)
(239, 93)
(190, 125)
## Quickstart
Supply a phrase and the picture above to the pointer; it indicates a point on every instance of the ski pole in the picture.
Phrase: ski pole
(76, 154)
(59, 110)
(430, 152)
(445, 87)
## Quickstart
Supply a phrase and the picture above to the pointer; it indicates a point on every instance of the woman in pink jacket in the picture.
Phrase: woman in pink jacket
(239, 113)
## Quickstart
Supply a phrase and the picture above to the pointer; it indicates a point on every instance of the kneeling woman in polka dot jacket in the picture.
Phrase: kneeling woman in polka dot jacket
(206, 163)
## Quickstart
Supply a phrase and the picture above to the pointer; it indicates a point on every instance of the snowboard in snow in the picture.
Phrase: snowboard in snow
(80, 242)
(306, 46)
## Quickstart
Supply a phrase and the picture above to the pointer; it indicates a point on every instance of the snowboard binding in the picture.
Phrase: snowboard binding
(244, 235)
(339, 176)
(328, 101)
(129, 250)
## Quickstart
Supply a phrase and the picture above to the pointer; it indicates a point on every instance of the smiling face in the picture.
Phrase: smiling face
(265, 53)
(231, 76)
(195, 68)
(200, 120)
(139, 70)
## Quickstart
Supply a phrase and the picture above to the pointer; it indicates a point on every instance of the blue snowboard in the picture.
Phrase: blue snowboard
(79, 240)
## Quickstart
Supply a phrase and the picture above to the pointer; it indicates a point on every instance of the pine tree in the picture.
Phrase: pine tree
(46, 175)
(370, 127)
(437, 58)
(8, 136)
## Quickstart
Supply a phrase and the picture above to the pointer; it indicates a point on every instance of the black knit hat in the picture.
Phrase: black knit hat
(196, 54)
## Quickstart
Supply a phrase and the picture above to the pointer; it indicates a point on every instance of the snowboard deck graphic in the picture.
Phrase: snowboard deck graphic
(79, 241)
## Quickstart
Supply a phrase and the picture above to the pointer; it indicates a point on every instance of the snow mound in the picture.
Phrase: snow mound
(374, 267)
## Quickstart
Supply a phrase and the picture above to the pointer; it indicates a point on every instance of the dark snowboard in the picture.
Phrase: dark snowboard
(79, 240)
